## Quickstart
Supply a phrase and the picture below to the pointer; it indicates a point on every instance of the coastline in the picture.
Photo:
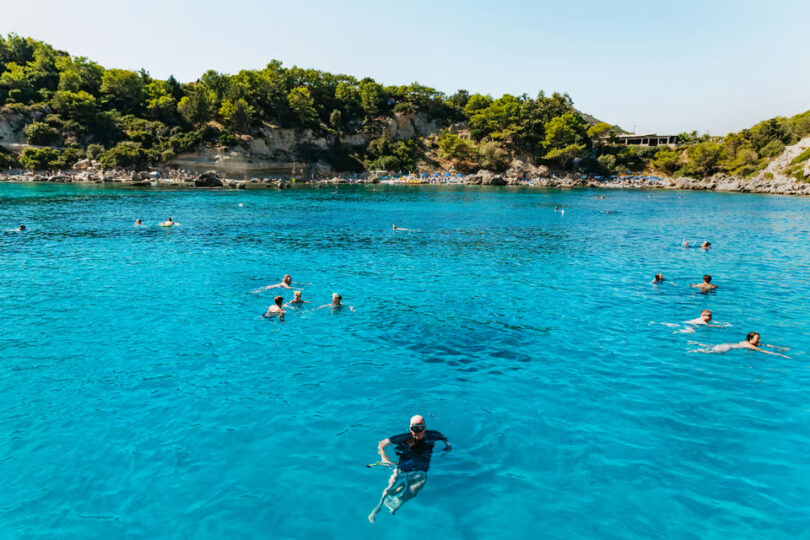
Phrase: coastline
(212, 180)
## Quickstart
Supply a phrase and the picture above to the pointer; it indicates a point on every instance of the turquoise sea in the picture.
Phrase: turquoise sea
(143, 395)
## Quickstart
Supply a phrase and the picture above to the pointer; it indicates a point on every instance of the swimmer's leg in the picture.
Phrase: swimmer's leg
(416, 481)
(386, 491)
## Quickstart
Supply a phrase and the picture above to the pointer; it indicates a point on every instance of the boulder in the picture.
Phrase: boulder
(208, 179)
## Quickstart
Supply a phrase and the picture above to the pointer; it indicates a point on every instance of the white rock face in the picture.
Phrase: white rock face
(11, 128)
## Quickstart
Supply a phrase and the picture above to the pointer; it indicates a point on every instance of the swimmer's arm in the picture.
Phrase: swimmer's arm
(381, 450)
(325, 305)
(777, 347)
(769, 352)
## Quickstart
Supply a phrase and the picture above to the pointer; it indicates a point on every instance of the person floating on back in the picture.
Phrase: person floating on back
(277, 309)
(414, 450)
(706, 285)
(22, 228)
(296, 301)
(336, 304)
(169, 223)
(752, 342)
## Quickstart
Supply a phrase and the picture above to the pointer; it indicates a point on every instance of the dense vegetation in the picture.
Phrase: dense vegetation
(75, 108)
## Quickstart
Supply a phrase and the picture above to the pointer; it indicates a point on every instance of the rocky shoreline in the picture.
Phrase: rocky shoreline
(212, 179)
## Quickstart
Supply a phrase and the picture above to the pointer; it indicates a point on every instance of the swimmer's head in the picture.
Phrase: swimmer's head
(297, 294)
(170, 219)
(22, 227)
(138, 222)
(287, 279)
(706, 315)
(659, 277)
(336, 298)
(278, 300)
(706, 245)
(417, 424)
(707, 278)
(752, 338)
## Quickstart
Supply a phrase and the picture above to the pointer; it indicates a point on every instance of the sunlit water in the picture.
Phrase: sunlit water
(143, 394)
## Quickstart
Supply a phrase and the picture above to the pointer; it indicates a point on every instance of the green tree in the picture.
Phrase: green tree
(703, 158)
(301, 103)
(451, 146)
(336, 119)
(123, 154)
(237, 115)
(123, 89)
(666, 160)
(372, 96)
(197, 107)
(79, 106)
(39, 159)
(565, 138)
(15, 85)
(40, 133)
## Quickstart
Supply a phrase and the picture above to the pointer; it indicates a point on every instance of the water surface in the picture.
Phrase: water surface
(143, 395)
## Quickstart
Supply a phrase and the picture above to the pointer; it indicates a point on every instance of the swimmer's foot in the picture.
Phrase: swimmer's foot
(372, 516)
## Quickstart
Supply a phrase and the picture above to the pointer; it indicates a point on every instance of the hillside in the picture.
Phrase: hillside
(56, 110)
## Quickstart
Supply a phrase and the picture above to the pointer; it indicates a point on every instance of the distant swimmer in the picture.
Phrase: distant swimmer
(706, 245)
(707, 284)
(556, 208)
(685, 243)
(752, 342)
(296, 301)
(659, 278)
(277, 309)
(169, 223)
(138, 223)
(414, 450)
(336, 298)
(21, 228)
(286, 283)
(400, 228)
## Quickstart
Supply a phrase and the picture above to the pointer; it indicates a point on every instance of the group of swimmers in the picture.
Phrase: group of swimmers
(168, 223)
(752, 340)
(277, 309)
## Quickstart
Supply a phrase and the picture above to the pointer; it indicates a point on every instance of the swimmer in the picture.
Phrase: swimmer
(21, 228)
(659, 278)
(705, 319)
(277, 309)
(395, 228)
(706, 285)
(706, 245)
(296, 301)
(685, 243)
(169, 223)
(286, 283)
(556, 209)
(336, 298)
(138, 223)
(414, 451)
(752, 342)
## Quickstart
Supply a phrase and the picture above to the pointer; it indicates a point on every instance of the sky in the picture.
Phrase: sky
(662, 67)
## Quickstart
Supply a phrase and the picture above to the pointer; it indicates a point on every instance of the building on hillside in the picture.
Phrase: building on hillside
(642, 140)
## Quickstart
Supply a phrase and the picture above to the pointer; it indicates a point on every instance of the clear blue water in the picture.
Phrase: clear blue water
(143, 395)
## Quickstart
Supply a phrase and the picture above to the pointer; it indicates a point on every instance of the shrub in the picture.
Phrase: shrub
(94, 151)
(772, 149)
(124, 154)
(41, 134)
(38, 159)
